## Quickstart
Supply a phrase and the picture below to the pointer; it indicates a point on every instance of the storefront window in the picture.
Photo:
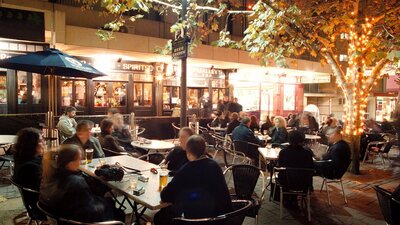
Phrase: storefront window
(218, 94)
(385, 107)
(22, 87)
(70, 97)
(3, 90)
(170, 97)
(119, 94)
(80, 99)
(193, 98)
(36, 88)
(143, 94)
(289, 97)
(100, 94)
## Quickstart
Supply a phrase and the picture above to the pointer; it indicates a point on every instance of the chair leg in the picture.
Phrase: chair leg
(344, 194)
(29, 221)
(273, 194)
(256, 220)
(322, 186)
(383, 160)
(365, 155)
(388, 159)
(327, 191)
(309, 206)
(281, 204)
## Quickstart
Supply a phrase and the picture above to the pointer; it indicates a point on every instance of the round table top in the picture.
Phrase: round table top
(263, 137)
(7, 139)
(219, 128)
(154, 145)
(311, 136)
(269, 153)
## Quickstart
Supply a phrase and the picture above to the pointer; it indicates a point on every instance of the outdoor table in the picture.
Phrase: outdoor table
(95, 131)
(271, 155)
(218, 129)
(263, 137)
(7, 139)
(312, 137)
(154, 145)
(150, 199)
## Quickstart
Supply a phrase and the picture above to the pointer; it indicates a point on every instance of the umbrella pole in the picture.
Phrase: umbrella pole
(50, 115)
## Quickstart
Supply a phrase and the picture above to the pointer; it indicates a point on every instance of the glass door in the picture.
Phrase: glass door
(110, 94)
(73, 93)
(29, 92)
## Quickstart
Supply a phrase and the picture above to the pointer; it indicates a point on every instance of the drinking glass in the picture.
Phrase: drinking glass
(163, 177)
(102, 161)
(133, 183)
(89, 155)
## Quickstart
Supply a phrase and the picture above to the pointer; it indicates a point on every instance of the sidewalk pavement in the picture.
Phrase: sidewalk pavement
(362, 207)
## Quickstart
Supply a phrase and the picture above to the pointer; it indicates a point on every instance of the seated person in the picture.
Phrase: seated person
(65, 193)
(279, 133)
(122, 134)
(243, 133)
(106, 139)
(266, 126)
(294, 156)
(254, 124)
(67, 124)
(28, 152)
(338, 152)
(216, 122)
(176, 158)
(198, 190)
(84, 139)
(234, 122)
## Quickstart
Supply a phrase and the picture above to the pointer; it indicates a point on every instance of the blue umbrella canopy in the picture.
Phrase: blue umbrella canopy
(51, 62)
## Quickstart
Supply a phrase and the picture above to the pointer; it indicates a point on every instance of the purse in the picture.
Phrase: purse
(110, 172)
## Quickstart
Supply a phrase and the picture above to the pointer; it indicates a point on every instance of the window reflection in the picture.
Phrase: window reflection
(3, 90)
(66, 93)
(143, 94)
(71, 97)
(100, 94)
(193, 98)
(119, 94)
(22, 87)
(36, 88)
(80, 93)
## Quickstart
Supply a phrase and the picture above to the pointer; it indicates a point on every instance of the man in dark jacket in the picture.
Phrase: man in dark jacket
(84, 139)
(339, 153)
(234, 123)
(243, 133)
(198, 190)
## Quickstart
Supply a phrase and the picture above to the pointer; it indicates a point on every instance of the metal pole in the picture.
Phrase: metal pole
(183, 118)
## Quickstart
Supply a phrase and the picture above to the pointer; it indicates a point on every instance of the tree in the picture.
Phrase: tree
(283, 28)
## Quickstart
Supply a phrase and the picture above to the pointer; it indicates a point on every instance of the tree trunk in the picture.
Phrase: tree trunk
(355, 156)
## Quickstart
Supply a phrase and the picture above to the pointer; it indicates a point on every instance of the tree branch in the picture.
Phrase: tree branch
(392, 10)
(337, 71)
(375, 74)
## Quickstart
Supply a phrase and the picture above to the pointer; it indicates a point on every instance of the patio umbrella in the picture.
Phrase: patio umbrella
(51, 62)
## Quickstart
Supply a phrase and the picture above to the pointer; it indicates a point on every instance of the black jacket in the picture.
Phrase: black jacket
(295, 156)
(68, 195)
(243, 133)
(232, 125)
(198, 190)
(91, 143)
(176, 159)
(109, 142)
(340, 155)
(279, 135)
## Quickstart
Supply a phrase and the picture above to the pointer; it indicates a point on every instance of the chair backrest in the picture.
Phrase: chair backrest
(241, 146)
(155, 158)
(176, 128)
(236, 217)
(245, 178)
(295, 179)
(29, 199)
(386, 148)
(395, 209)
(341, 171)
(63, 221)
(384, 198)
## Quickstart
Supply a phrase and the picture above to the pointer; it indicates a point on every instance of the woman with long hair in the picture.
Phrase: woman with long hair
(279, 133)
(65, 191)
(106, 139)
(254, 123)
(28, 152)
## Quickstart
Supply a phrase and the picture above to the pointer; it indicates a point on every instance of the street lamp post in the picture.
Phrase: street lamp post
(183, 118)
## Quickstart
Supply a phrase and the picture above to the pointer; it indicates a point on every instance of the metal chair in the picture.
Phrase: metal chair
(395, 209)
(63, 221)
(226, 147)
(384, 198)
(379, 148)
(235, 217)
(250, 150)
(294, 181)
(29, 199)
(245, 178)
(155, 158)
(7, 157)
(176, 127)
(336, 177)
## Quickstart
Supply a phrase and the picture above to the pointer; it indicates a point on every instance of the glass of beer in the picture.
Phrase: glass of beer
(163, 178)
(89, 155)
